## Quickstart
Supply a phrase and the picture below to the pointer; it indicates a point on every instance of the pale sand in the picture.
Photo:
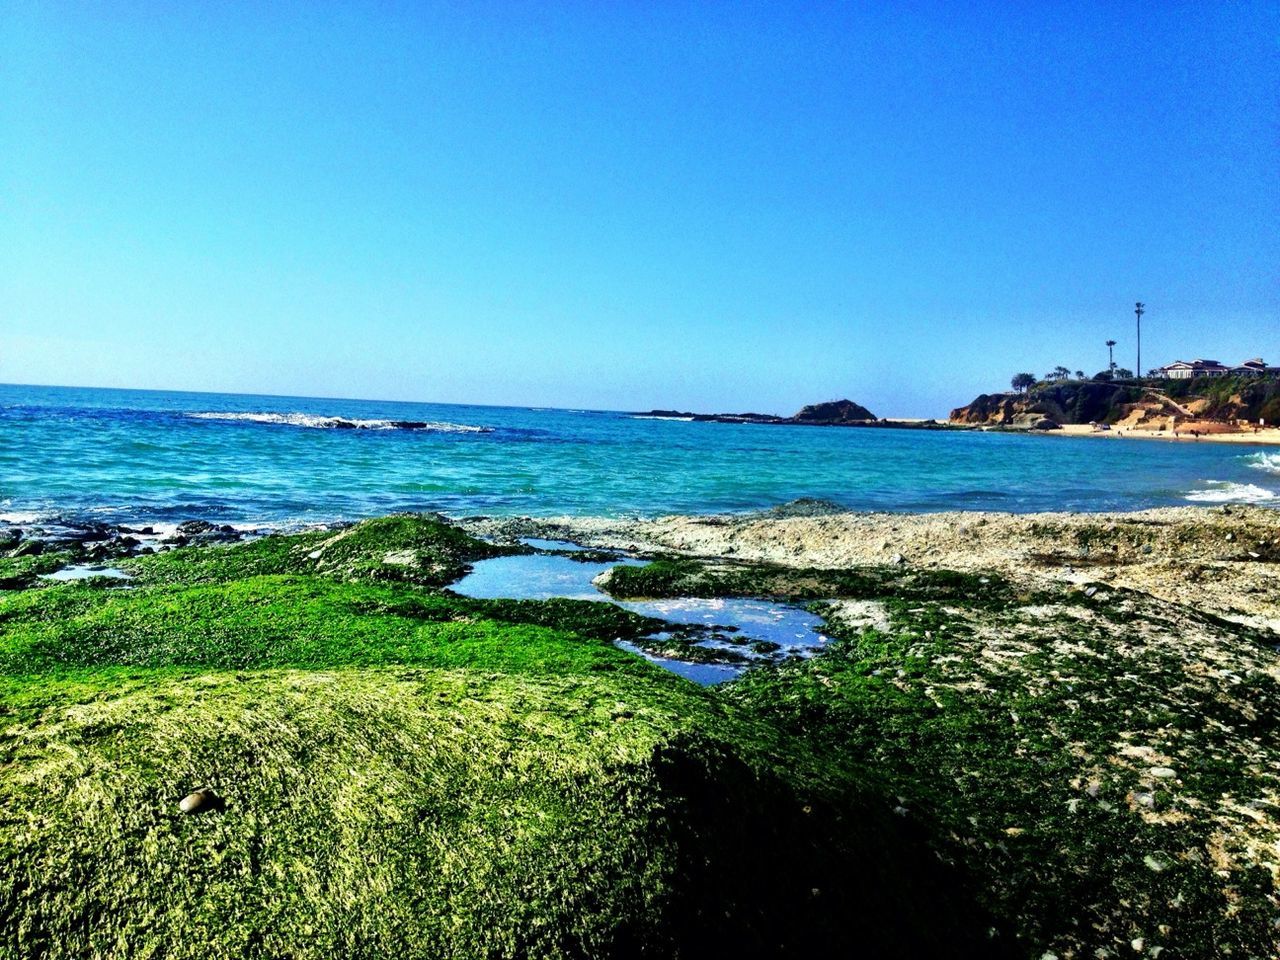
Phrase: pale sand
(1265, 436)
(1222, 559)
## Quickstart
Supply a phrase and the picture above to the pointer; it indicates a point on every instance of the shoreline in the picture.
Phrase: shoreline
(1265, 437)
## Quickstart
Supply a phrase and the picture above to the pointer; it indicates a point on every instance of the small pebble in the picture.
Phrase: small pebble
(198, 801)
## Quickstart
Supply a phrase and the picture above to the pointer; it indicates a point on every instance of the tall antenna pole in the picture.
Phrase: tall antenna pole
(1139, 308)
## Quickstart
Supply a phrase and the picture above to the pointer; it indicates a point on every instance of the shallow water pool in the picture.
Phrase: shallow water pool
(731, 623)
(83, 571)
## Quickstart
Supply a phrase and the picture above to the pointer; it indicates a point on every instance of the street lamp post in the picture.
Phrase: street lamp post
(1139, 308)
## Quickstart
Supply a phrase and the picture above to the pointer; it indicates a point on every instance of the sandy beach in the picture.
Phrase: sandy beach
(1208, 432)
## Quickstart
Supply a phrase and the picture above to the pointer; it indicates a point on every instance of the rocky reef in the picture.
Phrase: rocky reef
(829, 413)
(1031, 735)
(1076, 710)
(304, 745)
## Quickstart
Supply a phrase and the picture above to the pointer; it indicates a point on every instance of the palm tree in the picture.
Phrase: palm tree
(1111, 359)
(1022, 381)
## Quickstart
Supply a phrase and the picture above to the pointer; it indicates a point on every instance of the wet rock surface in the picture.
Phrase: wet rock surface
(1173, 553)
(30, 551)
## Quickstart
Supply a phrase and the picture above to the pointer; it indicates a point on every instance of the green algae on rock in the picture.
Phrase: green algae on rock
(403, 772)
(407, 548)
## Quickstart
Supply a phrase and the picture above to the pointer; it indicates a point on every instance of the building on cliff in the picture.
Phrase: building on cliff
(1186, 370)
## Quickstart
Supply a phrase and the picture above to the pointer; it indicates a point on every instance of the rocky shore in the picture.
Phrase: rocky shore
(1079, 708)
(1029, 736)
(1224, 559)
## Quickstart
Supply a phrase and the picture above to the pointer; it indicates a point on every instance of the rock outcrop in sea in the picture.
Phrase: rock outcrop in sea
(829, 413)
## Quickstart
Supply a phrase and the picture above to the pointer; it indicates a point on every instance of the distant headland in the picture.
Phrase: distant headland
(1221, 404)
(831, 413)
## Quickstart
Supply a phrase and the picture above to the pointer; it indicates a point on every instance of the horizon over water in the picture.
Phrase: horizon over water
(138, 456)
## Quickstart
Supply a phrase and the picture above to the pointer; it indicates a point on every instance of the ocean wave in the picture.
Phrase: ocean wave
(645, 416)
(1224, 491)
(1270, 462)
(20, 516)
(317, 422)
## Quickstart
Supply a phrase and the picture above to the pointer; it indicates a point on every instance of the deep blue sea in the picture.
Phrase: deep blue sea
(147, 456)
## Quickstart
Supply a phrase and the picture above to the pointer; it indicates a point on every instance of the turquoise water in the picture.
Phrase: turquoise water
(144, 456)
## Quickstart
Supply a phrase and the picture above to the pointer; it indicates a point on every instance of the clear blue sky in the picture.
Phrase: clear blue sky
(715, 206)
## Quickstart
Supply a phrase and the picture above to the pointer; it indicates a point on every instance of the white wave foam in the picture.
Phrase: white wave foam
(1224, 491)
(317, 422)
(645, 416)
(1270, 462)
(20, 516)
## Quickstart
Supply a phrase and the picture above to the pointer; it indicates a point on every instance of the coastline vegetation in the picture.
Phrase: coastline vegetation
(1105, 398)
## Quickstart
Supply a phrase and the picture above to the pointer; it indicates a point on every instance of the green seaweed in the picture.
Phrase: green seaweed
(17, 573)
(407, 548)
(407, 772)
(684, 577)
(403, 772)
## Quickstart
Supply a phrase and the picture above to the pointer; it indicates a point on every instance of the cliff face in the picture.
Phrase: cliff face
(1230, 398)
(1065, 403)
(1222, 399)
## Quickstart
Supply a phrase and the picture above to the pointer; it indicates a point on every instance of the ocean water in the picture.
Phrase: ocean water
(147, 456)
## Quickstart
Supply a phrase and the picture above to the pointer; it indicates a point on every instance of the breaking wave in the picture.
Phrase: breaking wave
(1270, 462)
(1224, 491)
(316, 422)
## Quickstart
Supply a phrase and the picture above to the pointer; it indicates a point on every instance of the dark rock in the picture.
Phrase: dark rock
(806, 507)
(63, 531)
(202, 532)
(1044, 423)
(10, 538)
(29, 548)
(834, 411)
(190, 527)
